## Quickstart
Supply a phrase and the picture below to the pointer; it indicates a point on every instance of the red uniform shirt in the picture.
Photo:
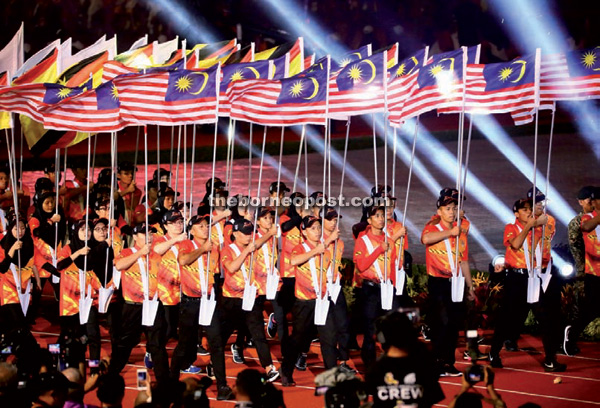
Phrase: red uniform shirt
(436, 255)
(516, 258)
(131, 279)
(75, 209)
(592, 247)
(190, 274)
(338, 258)
(8, 285)
(365, 260)
(70, 290)
(305, 285)
(233, 284)
(259, 267)
(289, 241)
(169, 278)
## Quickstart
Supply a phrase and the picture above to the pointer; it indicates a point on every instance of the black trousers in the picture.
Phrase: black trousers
(235, 318)
(514, 310)
(284, 301)
(131, 330)
(304, 317)
(445, 318)
(371, 298)
(172, 319)
(185, 352)
(341, 322)
(92, 330)
(588, 306)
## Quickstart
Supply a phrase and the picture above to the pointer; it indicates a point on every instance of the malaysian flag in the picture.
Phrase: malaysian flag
(93, 111)
(239, 72)
(349, 57)
(440, 85)
(403, 78)
(169, 98)
(301, 99)
(359, 88)
(113, 69)
(573, 76)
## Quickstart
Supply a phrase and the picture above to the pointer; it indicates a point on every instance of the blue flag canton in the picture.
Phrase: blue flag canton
(320, 65)
(349, 57)
(408, 65)
(365, 72)
(56, 92)
(520, 71)
(187, 85)
(584, 63)
(279, 67)
(247, 70)
(445, 69)
(304, 88)
(107, 96)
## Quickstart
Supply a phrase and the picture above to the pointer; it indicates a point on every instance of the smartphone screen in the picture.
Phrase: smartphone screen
(142, 378)
(54, 348)
(93, 363)
(7, 350)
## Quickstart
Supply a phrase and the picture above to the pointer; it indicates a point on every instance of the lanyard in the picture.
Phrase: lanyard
(371, 249)
(313, 272)
(203, 276)
(449, 251)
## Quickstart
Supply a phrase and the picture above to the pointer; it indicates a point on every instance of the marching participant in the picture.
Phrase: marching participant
(370, 251)
(136, 274)
(439, 239)
(127, 189)
(311, 282)
(198, 260)
(169, 280)
(514, 307)
(17, 268)
(75, 205)
(238, 279)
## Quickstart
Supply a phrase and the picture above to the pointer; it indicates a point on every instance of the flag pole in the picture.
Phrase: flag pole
(250, 160)
(374, 150)
(548, 174)
(178, 157)
(302, 135)
(262, 158)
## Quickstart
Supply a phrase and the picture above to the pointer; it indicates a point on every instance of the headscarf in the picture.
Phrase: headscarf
(26, 252)
(76, 244)
(101, 256)
(47, 231)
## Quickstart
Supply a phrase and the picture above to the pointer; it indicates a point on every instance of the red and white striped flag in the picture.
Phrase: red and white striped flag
(169, 98)
(23, 99)
(574, 76)
(113, 69)
(301, 99)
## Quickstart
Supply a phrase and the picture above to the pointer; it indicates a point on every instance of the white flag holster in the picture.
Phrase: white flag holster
(207, 308)
(104, 297)
(85, 305)
(149, 310)
(249, 297)
(321, 310)
(387, 294)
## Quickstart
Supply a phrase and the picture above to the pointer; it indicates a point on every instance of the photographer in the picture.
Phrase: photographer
(405, 374)
(473, 399)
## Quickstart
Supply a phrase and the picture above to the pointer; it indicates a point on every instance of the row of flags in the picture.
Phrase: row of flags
(161, 84)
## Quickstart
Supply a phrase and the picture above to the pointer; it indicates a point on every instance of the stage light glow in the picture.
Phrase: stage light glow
(188, 25)
(509, 149)
(566, 270)
(498, 260)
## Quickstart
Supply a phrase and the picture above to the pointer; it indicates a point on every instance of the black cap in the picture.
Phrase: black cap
(282, 187)
(104, 176)
(372, 210)
(165, 190)
(172, 216)
(329, 213)
(244, 226)
(297, 194)
(43, 184)
(126, 166)
(446, 200)
(308, 221)
(520, 203)
(100, 221)
(587, 192)
(539, 196)
(197, 219)
(451, 192)
(141, 229)
(159, 173)
(380, 191)
(218, 184)
(262, 211)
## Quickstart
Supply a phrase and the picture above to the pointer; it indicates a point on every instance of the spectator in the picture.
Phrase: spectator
(466, 399)
(49, 390)
(111, 390)
(252, 390)
(78, 388)
(8, 384)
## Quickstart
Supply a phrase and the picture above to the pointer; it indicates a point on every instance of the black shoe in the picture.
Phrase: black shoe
(272, 326)
(448, 370)
(346, 369)
(554, 367)
(301, 362)
(224, 393)
(202, 351)
(273, 374)
(287, 381)
(238, 356)
(467, 355)
(495, 361)
(510, 345)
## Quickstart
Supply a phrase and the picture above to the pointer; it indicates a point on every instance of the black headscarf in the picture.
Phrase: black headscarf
(76, 244)
(26, 252)
(102, 255)
(47, 231)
